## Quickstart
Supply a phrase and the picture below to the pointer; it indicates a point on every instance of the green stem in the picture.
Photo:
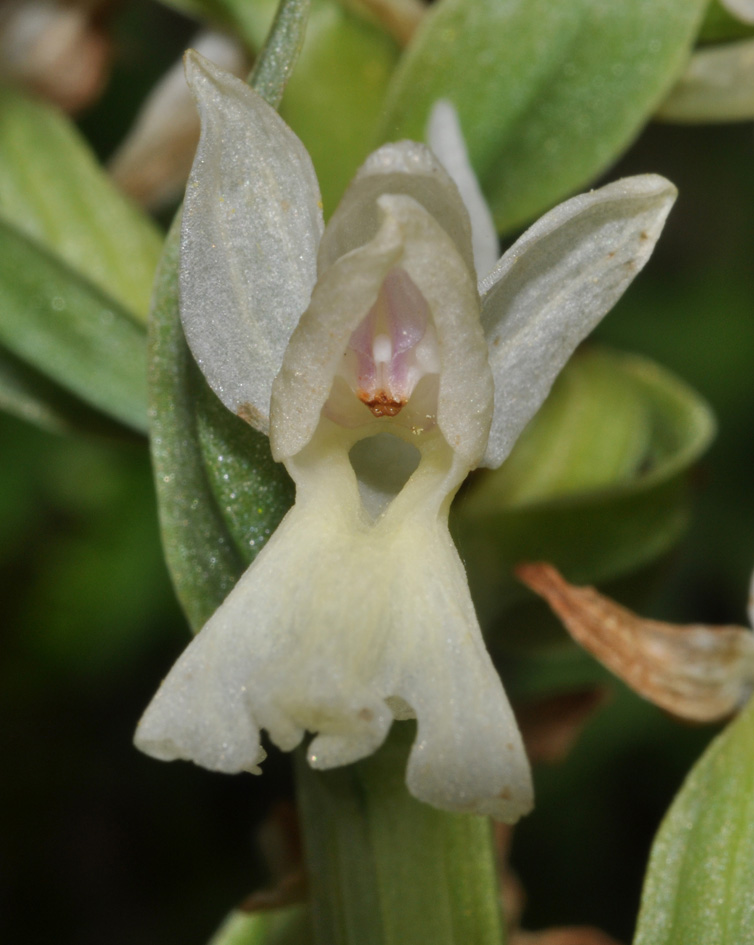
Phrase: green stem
(386, 869)
(280, 52)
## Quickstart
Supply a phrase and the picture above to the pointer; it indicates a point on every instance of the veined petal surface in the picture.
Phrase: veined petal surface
(403, 168)
(409, 238)
(555, 284)
(445, 138)
(252, 222)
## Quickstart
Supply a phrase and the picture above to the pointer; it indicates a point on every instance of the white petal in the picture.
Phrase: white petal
(555, 284)
(334, 620)
(468, 755)
(252, 221)
(402, 168)
(408, 237)
(718, 85)
(445, 138)
(742, 9)
(200, 711)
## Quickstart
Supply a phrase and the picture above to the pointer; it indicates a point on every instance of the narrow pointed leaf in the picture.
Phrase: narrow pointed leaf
(274, 65)
(251, 490)
(699, 888)
(555, 92)
(59, 322)
(53, 190)
(555, 284)
(31, 396)
(203, 562)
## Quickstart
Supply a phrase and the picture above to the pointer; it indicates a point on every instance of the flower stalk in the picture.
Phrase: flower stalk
(386, 869)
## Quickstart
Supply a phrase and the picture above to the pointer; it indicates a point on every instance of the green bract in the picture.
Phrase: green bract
(596, 484)
(549, 93)
(76, 270)
(699, 888)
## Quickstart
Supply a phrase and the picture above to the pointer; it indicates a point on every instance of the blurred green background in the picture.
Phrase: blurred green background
(101, 844)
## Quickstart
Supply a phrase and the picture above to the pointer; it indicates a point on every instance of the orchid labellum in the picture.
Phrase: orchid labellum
(384, 372)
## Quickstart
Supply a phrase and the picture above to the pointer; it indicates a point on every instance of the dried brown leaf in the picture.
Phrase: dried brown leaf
(697, 672)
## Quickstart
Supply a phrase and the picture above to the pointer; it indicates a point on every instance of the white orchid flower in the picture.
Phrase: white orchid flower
(382, 377)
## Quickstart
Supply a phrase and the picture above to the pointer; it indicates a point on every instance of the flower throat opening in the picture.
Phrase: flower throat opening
(392, 358)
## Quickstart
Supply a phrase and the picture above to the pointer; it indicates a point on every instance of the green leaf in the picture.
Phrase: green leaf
(720, 26)
(59, 322)
(30, 395)
(251, 490)
(53, 190)
(202, 559)
(699, 888)
(335, 97)
(386, 869)
(593, 431)
(549, 93)
(596, 484)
